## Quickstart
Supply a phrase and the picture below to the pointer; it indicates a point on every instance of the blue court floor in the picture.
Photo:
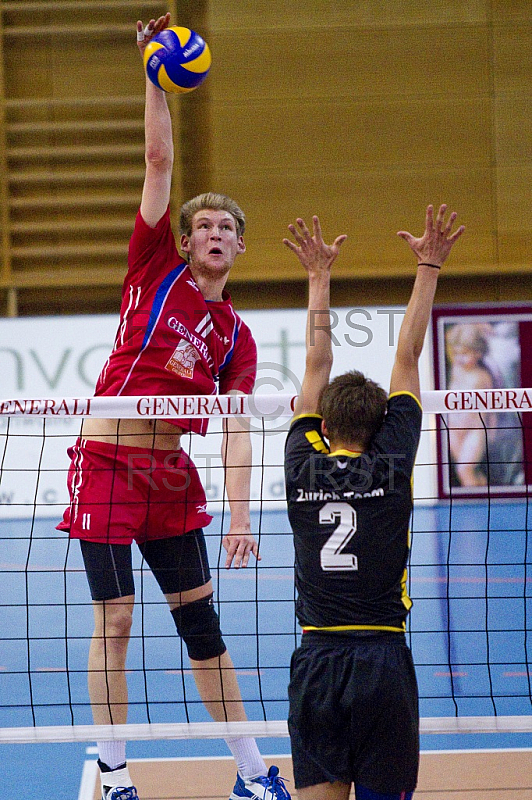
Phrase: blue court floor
(470, 579)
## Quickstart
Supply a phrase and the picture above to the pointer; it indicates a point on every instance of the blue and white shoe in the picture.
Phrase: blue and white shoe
(119, 793)
(265, 787)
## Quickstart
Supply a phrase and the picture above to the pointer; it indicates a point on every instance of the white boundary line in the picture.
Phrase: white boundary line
(89, 776)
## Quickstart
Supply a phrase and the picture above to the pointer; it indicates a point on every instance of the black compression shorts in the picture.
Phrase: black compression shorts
(178, 564)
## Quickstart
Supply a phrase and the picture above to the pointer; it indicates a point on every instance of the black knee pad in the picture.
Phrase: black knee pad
(198, 625)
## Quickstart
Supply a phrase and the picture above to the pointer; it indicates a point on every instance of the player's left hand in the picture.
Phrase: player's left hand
(239, 545)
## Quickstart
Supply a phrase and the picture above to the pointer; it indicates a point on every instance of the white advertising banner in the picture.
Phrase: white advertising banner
(61, 357)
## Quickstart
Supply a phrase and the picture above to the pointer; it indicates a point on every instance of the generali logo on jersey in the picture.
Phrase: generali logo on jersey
(183, 360)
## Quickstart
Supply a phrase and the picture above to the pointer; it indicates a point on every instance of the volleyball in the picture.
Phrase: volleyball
(177, 60)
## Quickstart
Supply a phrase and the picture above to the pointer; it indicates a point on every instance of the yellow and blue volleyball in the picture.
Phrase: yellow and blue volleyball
(177, 60)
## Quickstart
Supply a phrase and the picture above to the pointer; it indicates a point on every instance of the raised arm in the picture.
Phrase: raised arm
(317, 258)
(158, 136)
(431, 251)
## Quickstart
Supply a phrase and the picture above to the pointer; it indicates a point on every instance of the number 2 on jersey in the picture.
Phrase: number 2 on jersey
(331, 556)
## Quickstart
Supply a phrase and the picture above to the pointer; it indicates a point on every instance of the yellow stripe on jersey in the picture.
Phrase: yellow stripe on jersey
(410, 394)
(405, 598)
(301, 416)
(316, 441)
(356, 628)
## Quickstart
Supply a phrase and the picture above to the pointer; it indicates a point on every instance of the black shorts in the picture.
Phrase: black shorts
(354, 712)
(178, 563)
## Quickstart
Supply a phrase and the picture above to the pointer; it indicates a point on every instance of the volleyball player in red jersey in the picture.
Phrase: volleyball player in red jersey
(130, 480)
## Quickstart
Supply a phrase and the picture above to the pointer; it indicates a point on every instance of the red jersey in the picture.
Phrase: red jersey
(170, 340)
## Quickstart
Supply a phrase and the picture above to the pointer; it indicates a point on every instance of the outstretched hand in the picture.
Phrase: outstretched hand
(146, 34)
(240, 544)
(437, 241)
(314, 254)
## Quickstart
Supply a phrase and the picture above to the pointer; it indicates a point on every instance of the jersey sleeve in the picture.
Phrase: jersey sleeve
(303, 441)
(151, 246)
(399, 434)
(241, 371)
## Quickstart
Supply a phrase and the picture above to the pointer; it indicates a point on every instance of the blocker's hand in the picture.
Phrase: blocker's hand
(437, 241)
(239, 546)
(314, 254)
(146, 34)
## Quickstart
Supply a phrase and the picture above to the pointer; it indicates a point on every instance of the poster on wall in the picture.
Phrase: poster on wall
(482, 453)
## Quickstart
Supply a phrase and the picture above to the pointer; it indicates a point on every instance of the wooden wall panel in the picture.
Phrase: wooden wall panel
(512, 55)
(350, 62)
(329, 135)
(73, 55)
(513, 129)
(266, 15)
(73, 107)
(510, 11)
(363, 113)
(360, 110)
(513, 211)
(513, 134)
(372, 249)
(363, 125)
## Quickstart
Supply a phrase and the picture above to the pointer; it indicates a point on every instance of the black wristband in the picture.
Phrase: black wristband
(424, 264)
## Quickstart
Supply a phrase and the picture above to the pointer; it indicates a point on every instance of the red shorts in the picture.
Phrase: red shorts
(119, 494)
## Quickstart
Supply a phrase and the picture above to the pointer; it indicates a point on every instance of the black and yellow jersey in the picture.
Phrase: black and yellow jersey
(350, 516)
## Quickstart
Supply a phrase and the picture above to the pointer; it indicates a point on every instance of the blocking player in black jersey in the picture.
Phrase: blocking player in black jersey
(349, 458)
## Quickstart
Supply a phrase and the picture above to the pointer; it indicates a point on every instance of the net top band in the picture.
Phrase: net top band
(268, 406)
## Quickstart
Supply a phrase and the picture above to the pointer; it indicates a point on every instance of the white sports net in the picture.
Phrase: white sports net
(469, 575)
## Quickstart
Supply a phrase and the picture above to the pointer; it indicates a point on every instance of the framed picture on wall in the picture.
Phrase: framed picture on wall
(483, 453)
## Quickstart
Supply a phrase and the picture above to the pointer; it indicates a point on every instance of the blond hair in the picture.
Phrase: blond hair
(214, 202)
